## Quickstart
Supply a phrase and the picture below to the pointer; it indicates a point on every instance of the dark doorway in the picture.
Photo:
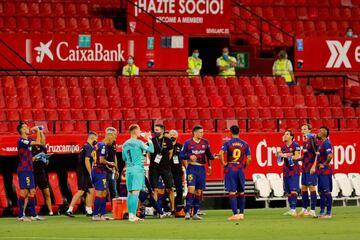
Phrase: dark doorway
(210, 49)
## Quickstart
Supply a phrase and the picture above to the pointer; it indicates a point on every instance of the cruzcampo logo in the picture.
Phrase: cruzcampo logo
(84, 41)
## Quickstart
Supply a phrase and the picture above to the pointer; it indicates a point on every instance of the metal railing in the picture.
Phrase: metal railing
(51, 126)
(261, 21)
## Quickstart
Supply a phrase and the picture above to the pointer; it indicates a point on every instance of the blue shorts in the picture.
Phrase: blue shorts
(291, 184)
(324, 183)
(196, 177)
(99, 180)
(26, 180)
(308, 179)
(135, 179)
(234, 180)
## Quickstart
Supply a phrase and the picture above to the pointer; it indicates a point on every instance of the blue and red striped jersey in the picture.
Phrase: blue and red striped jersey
(309, 154)
(236, 150)
(287, 169)
(25, 155)
(200, 149)
(325, 149)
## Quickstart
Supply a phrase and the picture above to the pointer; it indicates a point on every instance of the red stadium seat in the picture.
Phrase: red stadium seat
(252, 113)
(51, 114)
(241, 113)
(313, 112)
(211, 91)
(72, 183)
(178, 102)
(228, 113)
(311, 101)
(89, 102)
(11, 102)
(323, 101)
(264, 101)
(349, 112)
(208, 81)
(275, 101)
(244, 81)
(192, 113)
(76, 102)
(337, 112)
(64, 115)
(77, 114)
(115, 114)
(39, 115)
(228, 101)
(216, 101)
(85, 82)
(248, 90)
(216, 113)
(74, 92)
(299, 101)
(260, 90)
(239, 101)
(142, 114)
(64, 102)
(202, 101)
(102, 114)
(26, 114)
(153, 101)
(287, 101)
(255, 125)
(54, 184)
(252, 101)
(208, 125)
(167, 113)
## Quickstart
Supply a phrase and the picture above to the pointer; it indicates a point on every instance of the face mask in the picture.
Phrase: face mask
(349, 34)
(226, 56)
(195, 55)
(94, 143)
(157, 134)
(173, 139)
(130, 61)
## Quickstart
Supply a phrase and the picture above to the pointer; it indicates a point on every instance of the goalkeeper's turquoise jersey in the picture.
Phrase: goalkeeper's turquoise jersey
(133, 152)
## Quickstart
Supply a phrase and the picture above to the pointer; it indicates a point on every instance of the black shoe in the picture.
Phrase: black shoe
(69, 214)
(89, 215)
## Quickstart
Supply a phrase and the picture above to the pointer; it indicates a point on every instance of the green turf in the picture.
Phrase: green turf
(259, 224)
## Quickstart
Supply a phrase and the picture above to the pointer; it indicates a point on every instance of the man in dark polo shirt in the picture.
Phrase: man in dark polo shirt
(160, 163)
(112, 173)
(177, 172)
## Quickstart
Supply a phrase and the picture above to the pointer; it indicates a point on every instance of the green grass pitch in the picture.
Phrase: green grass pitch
(259, 224)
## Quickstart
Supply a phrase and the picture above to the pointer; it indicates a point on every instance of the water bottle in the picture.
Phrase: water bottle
(113, 174)
(278, 159)
(291, 162)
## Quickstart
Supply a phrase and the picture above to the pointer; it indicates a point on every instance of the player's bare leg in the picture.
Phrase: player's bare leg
(170, 191)
(47, 197)
(23, 195)
(74, 199)
(89, 201)
(155, 193)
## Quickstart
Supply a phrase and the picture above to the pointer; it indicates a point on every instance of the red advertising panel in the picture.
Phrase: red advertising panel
(263, 148)
(94, 52)
(190, 17)
(327, 54)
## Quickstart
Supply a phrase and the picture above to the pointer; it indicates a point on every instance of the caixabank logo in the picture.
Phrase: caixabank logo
(64, 51)
(342, 54)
